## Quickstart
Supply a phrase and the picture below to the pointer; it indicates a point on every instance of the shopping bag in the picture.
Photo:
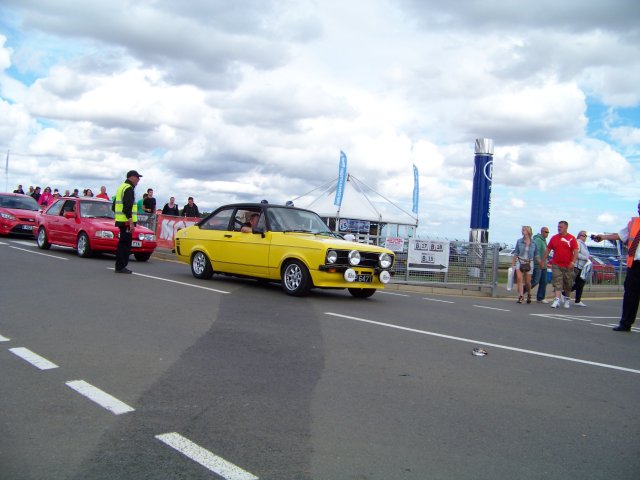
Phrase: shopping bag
(510, 279)
(586, 270)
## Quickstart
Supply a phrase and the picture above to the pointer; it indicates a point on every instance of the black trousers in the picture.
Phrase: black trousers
(578, 285)
(631, 295)
(124, 248)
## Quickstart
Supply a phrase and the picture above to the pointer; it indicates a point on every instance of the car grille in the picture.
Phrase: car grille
(367, 259)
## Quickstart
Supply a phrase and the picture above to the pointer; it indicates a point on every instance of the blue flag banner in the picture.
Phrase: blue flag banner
(416, 189)
(342, 178)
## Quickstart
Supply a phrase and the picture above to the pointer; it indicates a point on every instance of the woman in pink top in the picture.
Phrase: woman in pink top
(46, 198)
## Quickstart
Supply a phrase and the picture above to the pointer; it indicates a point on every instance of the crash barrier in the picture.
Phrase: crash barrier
(448, 264)
(453, 264)
(165, 226)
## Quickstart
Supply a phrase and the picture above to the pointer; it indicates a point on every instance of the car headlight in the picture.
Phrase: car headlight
(354, 257)
(8, 216)
(105, 234)
(332, 256)
(385, 260)
(149, 237)
(385, 276)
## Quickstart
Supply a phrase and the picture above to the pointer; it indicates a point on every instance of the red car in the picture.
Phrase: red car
(88, 225)
(602, 272)
(17, 214)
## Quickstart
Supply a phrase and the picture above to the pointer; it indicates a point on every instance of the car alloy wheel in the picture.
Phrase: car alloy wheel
(201, 266)
(296, 279)
(83, 246)
(42, 240)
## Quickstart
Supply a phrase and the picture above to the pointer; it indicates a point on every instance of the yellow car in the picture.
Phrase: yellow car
(285, 244)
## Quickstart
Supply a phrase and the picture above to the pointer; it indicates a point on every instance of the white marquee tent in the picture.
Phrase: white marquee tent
(359, 202)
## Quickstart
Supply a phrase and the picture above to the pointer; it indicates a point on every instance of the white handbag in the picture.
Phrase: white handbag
(510, 279)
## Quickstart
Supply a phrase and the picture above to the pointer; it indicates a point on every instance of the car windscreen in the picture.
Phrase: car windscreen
(96, 210)
(293, 220)
(18, 203)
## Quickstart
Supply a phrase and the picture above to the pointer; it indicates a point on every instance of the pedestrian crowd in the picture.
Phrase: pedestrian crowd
(145, 205)
(570, 264)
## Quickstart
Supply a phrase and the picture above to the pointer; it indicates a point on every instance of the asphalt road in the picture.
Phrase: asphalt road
(184, 378)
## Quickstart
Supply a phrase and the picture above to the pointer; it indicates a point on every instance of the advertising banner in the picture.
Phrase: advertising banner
(428, 255)
(355, 226)
(342, 178)
(416, 189)
(482, 180)
(395, 244)
(167, 226)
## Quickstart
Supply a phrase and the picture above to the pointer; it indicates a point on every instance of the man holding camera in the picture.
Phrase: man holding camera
(631, 236)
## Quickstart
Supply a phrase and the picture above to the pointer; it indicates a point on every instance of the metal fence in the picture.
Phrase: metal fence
(471, 265)
(480, 266)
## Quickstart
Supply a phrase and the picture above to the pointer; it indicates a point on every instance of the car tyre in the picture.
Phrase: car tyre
(362, 292)
(201, 266)
(296, 279)
(83, 246)
(142, 257)
(42, 240)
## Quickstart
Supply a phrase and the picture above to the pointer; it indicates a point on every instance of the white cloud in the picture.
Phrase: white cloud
(244, 100)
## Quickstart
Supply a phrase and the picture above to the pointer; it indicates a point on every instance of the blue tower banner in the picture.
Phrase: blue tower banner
(342, 178)
(482, 180)
(416, 189)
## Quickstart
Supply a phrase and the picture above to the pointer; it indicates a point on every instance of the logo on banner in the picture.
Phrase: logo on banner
(488, 170)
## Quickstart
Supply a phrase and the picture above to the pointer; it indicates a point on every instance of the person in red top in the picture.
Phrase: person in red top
(103, 193)
(565, 253)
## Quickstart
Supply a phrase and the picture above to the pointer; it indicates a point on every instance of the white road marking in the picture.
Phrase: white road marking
(611, 325)
(437, 300)
(38, 253)
(33, 358)
(488, 344)
(175, 281)
(551, 316)
(24, 242)
(3, 243)
(204, 457)
(391, 293)
(492, 308)
(4, 339)
(100, 397)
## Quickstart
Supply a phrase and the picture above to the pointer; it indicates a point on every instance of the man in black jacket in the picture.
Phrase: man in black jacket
(126, 211)
(190, 209)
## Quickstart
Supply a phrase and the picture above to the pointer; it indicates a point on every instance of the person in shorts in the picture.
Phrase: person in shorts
(565, 254)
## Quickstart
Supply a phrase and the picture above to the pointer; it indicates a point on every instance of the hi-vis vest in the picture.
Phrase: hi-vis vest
(633, 227)
(120, 217)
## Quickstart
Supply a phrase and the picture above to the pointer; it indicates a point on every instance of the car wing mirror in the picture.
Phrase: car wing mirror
(69, 215)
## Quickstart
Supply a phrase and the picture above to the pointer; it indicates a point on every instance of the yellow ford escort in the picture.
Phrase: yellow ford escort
(281, 243)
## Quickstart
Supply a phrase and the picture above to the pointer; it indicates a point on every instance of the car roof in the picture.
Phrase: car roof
(261, 205)
(91, 199)
(11, 194)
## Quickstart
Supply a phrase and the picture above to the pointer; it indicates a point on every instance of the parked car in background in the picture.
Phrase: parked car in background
(505, 257)
(17, 214)
(88, 225)
(601, 271)
(615, 261)
(284, 244)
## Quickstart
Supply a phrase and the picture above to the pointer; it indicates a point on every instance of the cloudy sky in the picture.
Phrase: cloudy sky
(249, 99)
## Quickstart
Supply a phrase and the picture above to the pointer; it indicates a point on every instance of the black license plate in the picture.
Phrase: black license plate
(364, 278)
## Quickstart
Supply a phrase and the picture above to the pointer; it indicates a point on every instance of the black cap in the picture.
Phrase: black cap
(133, 173)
